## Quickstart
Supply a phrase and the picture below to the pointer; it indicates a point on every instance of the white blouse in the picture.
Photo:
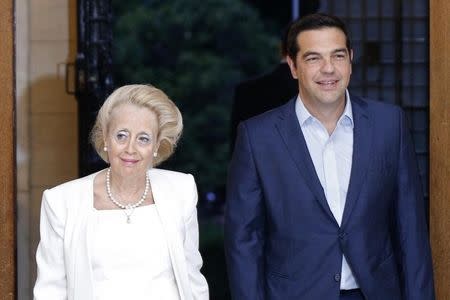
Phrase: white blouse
(131, 260)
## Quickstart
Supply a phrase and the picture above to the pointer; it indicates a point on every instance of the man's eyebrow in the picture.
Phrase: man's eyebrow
(340, 50)
(308, 53)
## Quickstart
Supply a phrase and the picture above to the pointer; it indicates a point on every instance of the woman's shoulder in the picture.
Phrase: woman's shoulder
(169, 175)
(75, 184)
(68, 196)
(176, 189)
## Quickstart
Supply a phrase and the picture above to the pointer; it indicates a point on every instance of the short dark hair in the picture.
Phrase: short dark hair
(311, 22)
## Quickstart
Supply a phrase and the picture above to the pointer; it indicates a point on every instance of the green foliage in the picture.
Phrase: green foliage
(195, 51)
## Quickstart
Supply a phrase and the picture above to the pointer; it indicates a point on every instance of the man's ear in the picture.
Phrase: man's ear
(351, 61)
(292, 66)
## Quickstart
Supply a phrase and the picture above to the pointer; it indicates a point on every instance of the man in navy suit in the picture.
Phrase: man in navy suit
(323, 197)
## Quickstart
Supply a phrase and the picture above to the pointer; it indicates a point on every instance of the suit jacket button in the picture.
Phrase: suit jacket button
(337, 277)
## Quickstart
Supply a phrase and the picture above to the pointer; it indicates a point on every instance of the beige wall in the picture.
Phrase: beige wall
(46, 116)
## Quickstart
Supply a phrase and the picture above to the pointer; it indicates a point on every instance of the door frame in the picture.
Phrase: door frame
(8, 273)
(440, 144)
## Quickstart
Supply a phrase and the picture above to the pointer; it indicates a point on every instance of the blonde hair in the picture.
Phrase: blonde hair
(170, 122)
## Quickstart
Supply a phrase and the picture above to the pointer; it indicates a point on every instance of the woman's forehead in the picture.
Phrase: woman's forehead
(132, 116)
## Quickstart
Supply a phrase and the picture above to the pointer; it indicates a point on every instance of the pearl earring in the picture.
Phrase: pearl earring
(155, 154)
(105, 148)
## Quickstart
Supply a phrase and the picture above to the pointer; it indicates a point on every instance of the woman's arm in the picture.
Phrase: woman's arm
(194, 260)
(51, 272)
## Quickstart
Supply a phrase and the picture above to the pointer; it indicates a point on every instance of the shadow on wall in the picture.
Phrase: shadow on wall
(47, 155)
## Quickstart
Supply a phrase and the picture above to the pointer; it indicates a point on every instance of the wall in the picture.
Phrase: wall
(46, 117)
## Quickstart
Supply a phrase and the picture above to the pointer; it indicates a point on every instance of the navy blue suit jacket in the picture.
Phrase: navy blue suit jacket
(281, 239)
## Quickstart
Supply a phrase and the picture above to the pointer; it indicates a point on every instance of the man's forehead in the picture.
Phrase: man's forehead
(313, 31)
(329, 38)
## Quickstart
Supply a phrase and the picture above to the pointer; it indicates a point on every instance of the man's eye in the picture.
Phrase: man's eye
(312, 59)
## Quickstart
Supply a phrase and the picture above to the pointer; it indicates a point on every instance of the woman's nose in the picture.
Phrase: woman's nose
(130, 147)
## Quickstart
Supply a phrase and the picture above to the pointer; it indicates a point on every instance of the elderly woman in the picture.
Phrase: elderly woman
(129, 231)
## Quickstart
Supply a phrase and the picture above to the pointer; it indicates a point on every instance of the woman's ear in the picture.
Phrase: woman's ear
(155, 150)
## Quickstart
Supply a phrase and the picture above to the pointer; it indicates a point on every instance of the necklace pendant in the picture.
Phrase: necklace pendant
(128, 219)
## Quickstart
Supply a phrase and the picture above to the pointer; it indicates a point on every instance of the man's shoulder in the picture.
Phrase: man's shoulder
(271, 116)
(376, 108)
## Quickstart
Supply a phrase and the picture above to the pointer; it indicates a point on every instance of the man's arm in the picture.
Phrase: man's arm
(412, 233)
(244, 223)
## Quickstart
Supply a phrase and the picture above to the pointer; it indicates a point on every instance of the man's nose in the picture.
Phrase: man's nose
(327, 66)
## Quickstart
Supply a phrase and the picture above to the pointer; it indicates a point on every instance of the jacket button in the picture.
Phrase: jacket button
(337, 277)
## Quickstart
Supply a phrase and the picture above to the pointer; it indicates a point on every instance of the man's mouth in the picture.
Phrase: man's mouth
(327, 84)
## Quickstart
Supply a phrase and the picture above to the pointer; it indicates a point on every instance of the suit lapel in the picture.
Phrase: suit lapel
(361, 155)
(293, 138)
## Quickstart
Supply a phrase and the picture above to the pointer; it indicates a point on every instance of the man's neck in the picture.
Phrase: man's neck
(327, 114)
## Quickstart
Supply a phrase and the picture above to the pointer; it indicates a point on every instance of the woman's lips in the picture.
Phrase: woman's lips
(129, 161)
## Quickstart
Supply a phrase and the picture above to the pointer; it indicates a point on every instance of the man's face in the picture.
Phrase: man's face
(322, 67)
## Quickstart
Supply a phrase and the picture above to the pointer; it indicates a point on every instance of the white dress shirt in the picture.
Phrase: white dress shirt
(332, 158)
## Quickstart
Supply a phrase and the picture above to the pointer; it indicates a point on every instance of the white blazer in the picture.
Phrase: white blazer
(63, 255)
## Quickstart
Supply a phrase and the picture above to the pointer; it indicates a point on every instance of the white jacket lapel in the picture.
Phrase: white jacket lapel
(171, 218)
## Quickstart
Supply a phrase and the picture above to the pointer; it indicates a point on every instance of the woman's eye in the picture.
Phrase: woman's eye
(121, 136)
(144, 139)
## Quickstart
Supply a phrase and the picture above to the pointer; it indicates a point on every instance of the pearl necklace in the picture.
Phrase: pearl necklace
(129, 208)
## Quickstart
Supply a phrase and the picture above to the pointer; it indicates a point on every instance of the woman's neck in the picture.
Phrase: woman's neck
(128, 188)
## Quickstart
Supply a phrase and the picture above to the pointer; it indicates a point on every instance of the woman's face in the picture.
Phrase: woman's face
(131, 139)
